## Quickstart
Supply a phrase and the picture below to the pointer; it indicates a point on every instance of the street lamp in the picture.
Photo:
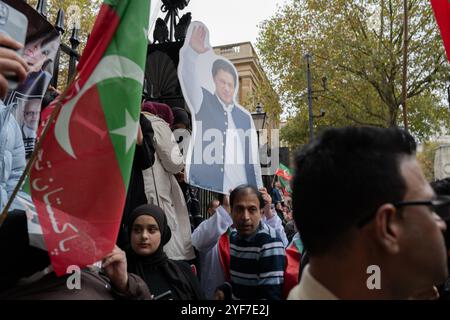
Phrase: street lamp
(259, 117)
(265, 154)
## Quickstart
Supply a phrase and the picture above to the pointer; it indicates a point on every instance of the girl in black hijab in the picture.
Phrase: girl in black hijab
(165, 278)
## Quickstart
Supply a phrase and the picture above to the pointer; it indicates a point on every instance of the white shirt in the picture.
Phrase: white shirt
(205, 239)
(310, 289)
(234, 172)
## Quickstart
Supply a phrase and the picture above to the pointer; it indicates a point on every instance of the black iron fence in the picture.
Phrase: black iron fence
(205, 197)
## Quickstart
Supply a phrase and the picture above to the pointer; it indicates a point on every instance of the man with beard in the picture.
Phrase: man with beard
(31, 111)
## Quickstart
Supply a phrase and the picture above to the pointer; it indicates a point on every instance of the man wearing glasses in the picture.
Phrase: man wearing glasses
(442, 188)
(370, 222)
(31, 112)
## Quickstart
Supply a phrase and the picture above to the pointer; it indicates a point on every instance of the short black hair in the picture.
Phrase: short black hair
(441, 187)
(180, 115)
(221, 64)
(344, 177)
(244, 188)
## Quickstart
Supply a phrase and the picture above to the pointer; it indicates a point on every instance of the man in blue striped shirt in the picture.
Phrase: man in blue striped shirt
(257, 254)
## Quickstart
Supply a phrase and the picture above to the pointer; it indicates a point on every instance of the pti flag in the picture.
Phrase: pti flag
(284, 176)
(79, 180)
(442, 13)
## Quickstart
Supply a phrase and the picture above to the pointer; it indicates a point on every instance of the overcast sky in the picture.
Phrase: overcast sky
(228, 21)
(231, 21)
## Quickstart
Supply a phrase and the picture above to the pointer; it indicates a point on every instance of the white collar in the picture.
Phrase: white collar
(29, 133)
(227, 108)
(309, 288)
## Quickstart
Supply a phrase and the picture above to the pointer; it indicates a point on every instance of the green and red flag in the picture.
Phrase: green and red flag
(284, 176)
(442, 13)
(79, 180)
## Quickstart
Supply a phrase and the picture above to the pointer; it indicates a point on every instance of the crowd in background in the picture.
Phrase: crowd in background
(360, 202)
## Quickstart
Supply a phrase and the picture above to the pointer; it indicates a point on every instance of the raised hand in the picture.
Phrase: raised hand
(115, 268)
(10, 62)
(226, 203)
(197, 42)
(267, 203)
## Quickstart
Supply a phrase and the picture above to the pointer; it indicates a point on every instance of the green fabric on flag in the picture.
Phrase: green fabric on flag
(284, 168)
(285, 184)
(284, 176)
(130, 41)
(80, 179)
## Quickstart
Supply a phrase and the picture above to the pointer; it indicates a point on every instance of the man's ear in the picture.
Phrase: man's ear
(387, 229)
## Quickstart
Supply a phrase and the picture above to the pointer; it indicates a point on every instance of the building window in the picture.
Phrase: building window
(232, 49)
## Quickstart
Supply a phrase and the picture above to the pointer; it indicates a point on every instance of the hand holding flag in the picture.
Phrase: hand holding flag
(80, 177)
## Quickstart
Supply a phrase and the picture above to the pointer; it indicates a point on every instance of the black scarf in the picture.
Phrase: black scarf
(181, 280)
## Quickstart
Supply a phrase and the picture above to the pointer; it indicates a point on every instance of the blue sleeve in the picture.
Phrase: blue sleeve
(18, 156)
(275, 196)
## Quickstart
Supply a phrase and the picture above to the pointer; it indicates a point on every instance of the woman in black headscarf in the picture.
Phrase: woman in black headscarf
(144, 158)
(165, 278)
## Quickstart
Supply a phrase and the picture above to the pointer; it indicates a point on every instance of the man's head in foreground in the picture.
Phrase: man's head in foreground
(361, 200)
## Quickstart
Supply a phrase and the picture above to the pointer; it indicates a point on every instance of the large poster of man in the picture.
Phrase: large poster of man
(39, 52)
(224, 151)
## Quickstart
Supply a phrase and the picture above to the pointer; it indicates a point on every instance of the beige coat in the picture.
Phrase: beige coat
(162, 189)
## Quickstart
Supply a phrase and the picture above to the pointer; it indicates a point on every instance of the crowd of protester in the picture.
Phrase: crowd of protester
(360, 202)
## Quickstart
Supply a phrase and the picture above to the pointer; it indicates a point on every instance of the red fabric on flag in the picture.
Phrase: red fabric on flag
(285, 192)
(442, 13)
(293, 258)
(283, 174)
(224, 255)
(80, 223)
(103, 31)
(64, 195)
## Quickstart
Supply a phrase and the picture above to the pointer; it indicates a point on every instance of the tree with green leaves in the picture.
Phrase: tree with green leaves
(265, 94)
(425, 158)
(357, 45)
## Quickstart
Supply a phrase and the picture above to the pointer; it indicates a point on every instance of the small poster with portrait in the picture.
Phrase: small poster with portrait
(40, 52)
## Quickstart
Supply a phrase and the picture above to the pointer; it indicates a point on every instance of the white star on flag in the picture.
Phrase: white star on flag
(129, 131)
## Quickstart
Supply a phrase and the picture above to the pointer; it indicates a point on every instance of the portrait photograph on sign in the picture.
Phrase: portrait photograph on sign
(40, 50)
(223, 153)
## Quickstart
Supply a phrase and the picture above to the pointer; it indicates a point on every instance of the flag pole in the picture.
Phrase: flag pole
(273, 180)
(38, 146)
